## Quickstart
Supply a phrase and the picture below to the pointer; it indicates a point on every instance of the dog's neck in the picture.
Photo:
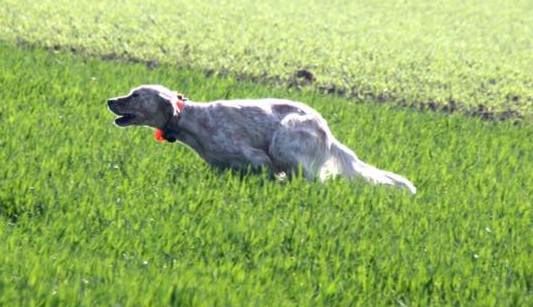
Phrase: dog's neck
(189, 127)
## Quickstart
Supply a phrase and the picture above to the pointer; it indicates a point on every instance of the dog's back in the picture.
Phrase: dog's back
(264, 109)
(254, 120)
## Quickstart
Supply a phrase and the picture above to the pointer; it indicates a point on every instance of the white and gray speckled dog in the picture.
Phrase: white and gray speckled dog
(280, 135)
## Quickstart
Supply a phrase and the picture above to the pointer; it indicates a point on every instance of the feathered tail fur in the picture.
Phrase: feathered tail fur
(350, 166)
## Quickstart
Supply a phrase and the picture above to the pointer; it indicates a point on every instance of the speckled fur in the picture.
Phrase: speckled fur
(280, 135)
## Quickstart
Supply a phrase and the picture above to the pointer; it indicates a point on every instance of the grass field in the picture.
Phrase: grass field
(474, 56)
(95, 215)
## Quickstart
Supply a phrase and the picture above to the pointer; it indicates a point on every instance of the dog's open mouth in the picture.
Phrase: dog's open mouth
(124, 119)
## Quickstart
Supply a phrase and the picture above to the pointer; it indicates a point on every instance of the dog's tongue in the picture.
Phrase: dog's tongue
(159, 135)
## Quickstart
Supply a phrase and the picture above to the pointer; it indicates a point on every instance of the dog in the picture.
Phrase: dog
(281, 136)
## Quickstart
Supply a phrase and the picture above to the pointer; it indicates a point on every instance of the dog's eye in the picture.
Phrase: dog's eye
(135, 95)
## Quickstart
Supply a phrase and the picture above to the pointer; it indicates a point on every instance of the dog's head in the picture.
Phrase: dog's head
(146, 105)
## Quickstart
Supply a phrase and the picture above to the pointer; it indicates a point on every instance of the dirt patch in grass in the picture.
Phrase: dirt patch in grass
(304, 77)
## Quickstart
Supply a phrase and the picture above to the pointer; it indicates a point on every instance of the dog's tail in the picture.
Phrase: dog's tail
(350, 166)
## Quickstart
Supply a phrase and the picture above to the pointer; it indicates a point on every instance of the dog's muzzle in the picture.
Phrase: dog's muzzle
(124, 118)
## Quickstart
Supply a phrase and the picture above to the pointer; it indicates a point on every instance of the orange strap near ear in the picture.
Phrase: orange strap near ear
(180, 105)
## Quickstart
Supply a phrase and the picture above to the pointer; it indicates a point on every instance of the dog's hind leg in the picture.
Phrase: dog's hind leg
(300, 143)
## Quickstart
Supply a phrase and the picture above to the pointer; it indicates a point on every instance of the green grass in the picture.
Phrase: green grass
(95, 215)
(457, 53)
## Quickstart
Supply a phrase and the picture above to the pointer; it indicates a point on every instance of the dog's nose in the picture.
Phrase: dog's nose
(110, 102)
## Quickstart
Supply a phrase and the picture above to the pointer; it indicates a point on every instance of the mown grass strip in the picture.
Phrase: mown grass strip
(95, 215)
(473, 56)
